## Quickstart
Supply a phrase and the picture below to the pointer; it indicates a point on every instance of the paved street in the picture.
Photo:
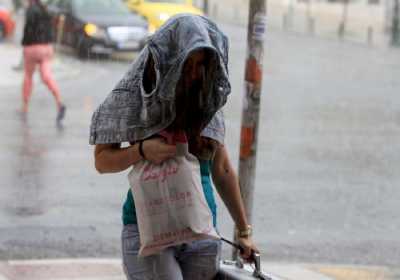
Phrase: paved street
(327, 178)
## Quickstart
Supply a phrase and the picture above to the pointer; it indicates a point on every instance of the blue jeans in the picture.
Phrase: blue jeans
(195, 260)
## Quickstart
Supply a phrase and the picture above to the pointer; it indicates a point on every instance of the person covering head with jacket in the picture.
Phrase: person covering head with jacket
(179, 82)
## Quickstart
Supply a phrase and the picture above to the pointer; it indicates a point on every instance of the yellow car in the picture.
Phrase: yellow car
(157, 12)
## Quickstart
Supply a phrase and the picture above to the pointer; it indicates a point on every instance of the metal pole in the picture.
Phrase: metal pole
(60, 32)
(291, 14)
(205, 7)
(310, 19)
(342, 26)
(370, 35)
(251, 103)
(396, 24)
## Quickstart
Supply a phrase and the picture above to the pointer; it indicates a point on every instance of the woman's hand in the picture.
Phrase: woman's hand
(248, 246)
(156, 150)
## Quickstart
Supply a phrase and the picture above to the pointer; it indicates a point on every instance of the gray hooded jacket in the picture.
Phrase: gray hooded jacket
(130, 114)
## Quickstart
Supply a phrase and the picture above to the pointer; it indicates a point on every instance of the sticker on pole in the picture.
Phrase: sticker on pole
(259, 26)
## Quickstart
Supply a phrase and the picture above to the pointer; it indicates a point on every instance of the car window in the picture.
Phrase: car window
(100, 7)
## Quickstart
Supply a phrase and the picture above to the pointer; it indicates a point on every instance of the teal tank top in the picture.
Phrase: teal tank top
(129, 211)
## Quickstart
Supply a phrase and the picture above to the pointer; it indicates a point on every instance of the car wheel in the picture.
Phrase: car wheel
(2, 31)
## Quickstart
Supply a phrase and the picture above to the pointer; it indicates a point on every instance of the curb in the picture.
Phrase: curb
(294, 272)
(62, 269)
(111, 269)
(344, 272)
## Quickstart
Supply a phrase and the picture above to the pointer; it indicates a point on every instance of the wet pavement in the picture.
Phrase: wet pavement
(327, 177)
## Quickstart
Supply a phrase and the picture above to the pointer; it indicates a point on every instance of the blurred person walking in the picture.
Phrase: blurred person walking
(38, 51)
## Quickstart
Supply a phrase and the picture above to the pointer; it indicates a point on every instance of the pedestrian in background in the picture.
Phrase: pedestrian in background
(38, 51)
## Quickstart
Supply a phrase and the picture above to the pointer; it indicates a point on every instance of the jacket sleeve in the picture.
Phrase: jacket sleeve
(215, 128)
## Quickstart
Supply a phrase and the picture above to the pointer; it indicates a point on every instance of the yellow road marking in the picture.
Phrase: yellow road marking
(353, 273)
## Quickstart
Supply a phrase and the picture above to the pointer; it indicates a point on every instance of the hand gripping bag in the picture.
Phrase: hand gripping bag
(171, 207)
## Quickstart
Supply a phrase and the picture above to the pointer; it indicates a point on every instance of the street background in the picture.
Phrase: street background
(365, 21)
(327, 171)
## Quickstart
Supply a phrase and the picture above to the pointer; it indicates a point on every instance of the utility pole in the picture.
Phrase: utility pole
(396, 24)
(251, 103)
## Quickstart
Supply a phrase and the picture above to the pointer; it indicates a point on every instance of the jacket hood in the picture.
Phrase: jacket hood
(130, 114)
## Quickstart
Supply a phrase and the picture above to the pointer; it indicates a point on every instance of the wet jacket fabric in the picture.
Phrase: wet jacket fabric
(130, 114)
(37, 29)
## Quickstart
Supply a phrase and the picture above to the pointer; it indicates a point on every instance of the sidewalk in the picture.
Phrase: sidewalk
(10, 56)
(110, 269)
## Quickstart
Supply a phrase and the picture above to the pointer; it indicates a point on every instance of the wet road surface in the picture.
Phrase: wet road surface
(327, 177)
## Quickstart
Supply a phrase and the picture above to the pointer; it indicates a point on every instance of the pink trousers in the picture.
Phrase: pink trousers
(40, 54)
